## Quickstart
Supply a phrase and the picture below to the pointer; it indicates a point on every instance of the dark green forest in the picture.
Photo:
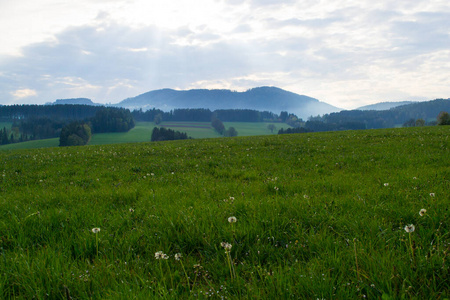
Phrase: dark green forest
(32, 122)
(206, 115)
(166, 134)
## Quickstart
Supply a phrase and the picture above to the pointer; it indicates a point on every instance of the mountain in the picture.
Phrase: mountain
(384, 105)
(80, 101)
(262, 98)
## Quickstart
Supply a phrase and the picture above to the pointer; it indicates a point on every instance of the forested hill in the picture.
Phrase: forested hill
(80, 101)
(384, 105)
(262, 99)
(397, 116)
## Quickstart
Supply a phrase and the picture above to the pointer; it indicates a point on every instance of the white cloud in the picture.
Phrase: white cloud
(24, 93)
(345, 52)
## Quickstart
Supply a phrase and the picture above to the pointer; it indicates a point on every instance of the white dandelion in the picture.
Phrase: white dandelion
(422, 212)
(432, 195)
(161, 255)
(410, 228)
(178, 256)
(226, 246)
(95, 230)
(232, 219)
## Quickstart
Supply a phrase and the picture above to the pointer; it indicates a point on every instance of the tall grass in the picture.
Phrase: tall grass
(318, 216)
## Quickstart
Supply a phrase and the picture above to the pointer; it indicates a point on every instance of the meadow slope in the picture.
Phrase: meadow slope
(142, 132)
(319, 215)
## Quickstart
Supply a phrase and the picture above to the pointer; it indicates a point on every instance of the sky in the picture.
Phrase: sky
(348, 53)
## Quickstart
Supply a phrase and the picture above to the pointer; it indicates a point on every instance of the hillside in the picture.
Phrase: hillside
(394, 117)
(75, 101)
(263, 99)
(383, 105)
(337, 215)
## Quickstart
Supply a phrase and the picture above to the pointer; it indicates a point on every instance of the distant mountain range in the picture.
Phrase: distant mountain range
(384, 105)
(262, 98)
(271, 99)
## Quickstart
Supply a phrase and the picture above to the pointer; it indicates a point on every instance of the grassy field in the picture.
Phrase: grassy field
(142, 132)
(318, 216)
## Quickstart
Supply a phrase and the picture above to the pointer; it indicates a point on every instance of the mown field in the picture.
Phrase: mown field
(318, 216)
(142, 132)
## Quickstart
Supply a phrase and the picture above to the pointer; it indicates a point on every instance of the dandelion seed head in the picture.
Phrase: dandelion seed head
(232, 219)
(422, 212)
(226, 246)
(432, 195)
(410, 228)
(178, 256)
(386, 184)
(95, 230)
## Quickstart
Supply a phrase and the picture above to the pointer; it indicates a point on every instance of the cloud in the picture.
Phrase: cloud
(24, 93)
(95, 60)
(337, 51)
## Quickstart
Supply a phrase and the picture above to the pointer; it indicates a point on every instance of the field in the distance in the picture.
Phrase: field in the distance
(319, 215)
(142, 132)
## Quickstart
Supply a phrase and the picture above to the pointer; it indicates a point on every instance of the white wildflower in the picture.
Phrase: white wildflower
(410, 228)
(232, 219)
(422, 212)
(95, 230)
(161, 255)
(226, 246)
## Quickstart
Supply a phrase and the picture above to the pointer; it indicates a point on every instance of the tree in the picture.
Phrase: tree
(231, 132)
(75, 134)
(158, 119)
(420, 122)
(409, 123)
(283, 116)
(443, 118)
(4, 136)
(271, 127)
(218, 126)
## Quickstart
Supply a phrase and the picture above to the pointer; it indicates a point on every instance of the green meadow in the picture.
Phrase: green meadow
(303, 216)
(142, 132)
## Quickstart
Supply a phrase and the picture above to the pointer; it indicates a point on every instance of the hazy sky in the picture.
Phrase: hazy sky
(344, 52)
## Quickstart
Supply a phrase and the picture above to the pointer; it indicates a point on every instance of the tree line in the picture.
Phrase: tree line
(107, 119)
(205, 115)
(29, 126)
(166, 134)
(425, 113)
(61, 111)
